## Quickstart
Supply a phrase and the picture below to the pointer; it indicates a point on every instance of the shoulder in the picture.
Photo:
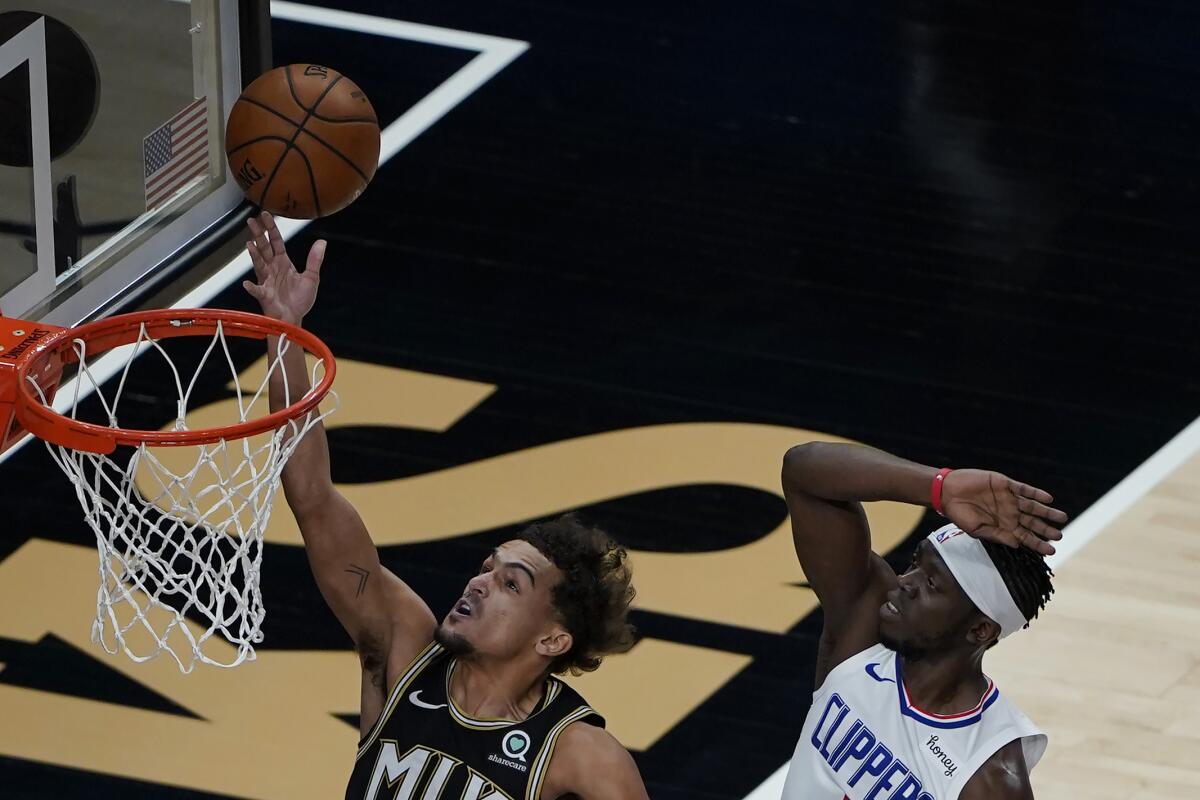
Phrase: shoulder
(589, 762)
(582, 738)
(406, 661)
(860, 630)
(1004, 775)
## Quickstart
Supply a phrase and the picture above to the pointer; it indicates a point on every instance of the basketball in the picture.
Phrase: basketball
(302, 141)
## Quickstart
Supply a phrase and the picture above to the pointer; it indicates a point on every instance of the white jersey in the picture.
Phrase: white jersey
(864, 740)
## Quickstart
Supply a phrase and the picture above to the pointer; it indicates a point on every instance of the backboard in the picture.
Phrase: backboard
(112, 166)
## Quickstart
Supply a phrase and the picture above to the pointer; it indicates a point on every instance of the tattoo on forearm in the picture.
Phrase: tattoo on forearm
(362, 578)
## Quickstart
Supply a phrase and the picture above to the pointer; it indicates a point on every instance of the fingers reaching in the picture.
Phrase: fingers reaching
(268, 249)
(1038, 523)
(258, 236)
(315, 256)
(1041, 510)
(281, 290)
(989, 505)
(260, 257)
(1034, 542)
(260, 267)
(274, 237)
(1039, 527)
(1032, 492)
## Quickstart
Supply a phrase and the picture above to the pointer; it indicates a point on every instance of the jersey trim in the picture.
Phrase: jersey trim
(415, 667)
(944, 721)
(537, 775)
(552, 690)
(553, 687)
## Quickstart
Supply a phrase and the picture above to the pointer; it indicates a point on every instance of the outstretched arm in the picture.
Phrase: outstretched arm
(386, 620)
(824, 485)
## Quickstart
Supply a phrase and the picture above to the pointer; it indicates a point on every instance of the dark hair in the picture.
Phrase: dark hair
(594, 594)
(1026, 575)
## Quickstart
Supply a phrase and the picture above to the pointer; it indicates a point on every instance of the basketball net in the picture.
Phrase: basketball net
(180, 529)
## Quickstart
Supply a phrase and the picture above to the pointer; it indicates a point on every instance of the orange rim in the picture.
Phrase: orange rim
(103, 335)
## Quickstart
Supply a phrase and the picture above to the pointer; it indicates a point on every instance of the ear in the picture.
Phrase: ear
(554, 643)
(983, 632)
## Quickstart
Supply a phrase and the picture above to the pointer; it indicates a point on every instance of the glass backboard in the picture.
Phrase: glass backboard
(112, 159)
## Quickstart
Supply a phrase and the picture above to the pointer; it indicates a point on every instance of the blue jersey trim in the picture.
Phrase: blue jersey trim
(914, 713)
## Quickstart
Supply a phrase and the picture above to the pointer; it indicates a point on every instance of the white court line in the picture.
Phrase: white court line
(772, 787)
(1077, 534)
(495, 53)
(1119, 498)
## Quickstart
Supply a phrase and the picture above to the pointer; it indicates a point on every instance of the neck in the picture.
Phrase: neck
(945, 683)
(496, 690)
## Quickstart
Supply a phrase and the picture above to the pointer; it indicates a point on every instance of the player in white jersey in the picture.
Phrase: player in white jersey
(902, 708)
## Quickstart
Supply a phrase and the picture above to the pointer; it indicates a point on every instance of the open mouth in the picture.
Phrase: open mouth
(463, 607)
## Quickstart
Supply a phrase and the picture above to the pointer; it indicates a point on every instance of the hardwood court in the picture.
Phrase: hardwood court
(1112, 671)
(665, 242)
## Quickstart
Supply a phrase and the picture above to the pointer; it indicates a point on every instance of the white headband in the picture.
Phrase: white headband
(972, 567)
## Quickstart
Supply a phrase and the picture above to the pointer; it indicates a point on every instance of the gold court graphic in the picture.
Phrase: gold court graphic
(613, 261)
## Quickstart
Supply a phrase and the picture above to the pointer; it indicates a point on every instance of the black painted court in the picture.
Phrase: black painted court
(962, 233)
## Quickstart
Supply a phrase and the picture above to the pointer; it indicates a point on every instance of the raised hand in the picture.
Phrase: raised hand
(283, 293)
(988, 505)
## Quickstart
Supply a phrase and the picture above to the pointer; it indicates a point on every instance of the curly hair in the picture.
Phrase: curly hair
(594, 595)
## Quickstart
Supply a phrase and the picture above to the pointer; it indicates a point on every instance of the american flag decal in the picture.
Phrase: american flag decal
(176, 153)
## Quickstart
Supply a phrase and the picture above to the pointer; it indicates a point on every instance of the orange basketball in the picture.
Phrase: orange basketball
(302, 141)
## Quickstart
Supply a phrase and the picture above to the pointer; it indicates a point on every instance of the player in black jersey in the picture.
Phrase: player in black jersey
(470, 709)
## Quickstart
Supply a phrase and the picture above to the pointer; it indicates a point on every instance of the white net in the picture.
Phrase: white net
(180, 529)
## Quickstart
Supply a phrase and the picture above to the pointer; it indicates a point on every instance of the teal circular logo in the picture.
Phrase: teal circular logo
(516, 745)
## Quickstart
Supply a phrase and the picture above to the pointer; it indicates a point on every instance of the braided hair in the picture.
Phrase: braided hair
(1025, 574)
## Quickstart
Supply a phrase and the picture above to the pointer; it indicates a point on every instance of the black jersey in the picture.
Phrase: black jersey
(423, 747)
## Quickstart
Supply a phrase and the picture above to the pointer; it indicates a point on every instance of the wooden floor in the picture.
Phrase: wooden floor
(1112, 672)
(663, 244)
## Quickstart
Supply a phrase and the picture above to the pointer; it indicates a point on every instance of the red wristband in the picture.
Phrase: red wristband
(935, 491)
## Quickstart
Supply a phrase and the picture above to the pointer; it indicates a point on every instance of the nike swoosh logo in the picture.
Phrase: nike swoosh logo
(871, 671)
(419, 703)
